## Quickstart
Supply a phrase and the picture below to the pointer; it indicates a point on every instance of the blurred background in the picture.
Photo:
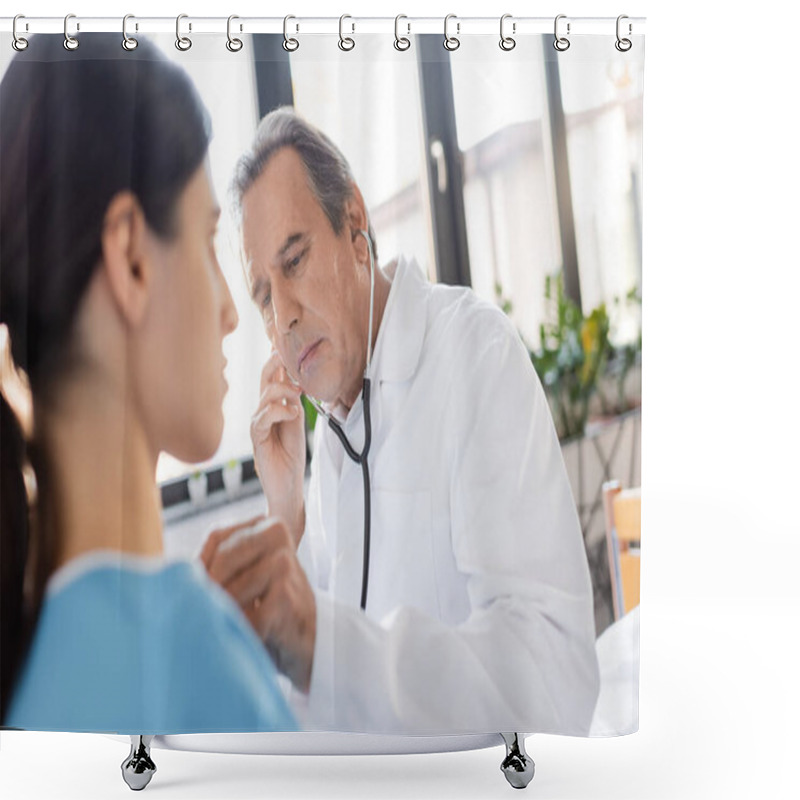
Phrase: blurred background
(516, 173)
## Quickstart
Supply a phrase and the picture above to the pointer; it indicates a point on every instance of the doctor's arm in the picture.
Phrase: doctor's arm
(525, 658)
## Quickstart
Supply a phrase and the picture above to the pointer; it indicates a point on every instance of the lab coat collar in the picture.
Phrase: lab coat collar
(402, 331)
(398, 347)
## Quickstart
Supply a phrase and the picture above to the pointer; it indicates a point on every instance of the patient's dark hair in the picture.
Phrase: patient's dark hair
(76, 128)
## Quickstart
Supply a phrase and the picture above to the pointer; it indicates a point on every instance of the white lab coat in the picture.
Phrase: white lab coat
(479, 615)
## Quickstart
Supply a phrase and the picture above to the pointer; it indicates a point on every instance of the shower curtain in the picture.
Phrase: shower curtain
(416, 258)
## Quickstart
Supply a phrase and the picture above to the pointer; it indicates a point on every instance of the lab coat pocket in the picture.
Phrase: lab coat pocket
(402, 567)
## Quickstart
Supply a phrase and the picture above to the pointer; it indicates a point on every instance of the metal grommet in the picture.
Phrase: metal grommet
(561, 43)
(289, 44)
(19, 43)
(506, 42)
(233, 45)
(345, 42)
(70, 42)
(451, 42)
(623, 45)
(401, 43)
(183, 43)
(128, 42)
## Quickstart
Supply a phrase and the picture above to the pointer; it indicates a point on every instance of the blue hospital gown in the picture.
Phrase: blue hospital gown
(137, 645)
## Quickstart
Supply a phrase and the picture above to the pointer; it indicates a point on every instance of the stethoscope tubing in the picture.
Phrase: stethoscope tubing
(361, 458)
(353, 454)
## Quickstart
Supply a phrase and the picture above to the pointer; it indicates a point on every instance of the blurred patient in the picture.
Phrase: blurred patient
(115, 309)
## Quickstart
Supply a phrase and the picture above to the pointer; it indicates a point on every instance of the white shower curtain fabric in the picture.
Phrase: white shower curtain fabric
(472, 220)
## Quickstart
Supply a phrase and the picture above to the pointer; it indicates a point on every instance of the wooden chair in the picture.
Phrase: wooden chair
(623, 513)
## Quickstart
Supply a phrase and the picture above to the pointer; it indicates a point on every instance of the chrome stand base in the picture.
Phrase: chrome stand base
(517, 766)
(138, 768)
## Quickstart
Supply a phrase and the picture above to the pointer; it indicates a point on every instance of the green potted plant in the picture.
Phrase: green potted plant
(572, 354)
(311, 420)
(575, 355)
(626, 356)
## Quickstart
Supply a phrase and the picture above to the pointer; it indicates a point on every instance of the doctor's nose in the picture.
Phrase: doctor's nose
(286, 310)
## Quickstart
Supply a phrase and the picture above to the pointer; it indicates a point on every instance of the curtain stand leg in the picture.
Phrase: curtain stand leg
(138, 768)
(517, 766)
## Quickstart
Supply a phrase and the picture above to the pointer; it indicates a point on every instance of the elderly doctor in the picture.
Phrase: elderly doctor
(462, 602)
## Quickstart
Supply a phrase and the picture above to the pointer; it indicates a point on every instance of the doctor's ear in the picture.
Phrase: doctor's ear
(356, 221)
(124, 258)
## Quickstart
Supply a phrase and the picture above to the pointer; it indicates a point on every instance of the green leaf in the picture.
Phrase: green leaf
(310, 412)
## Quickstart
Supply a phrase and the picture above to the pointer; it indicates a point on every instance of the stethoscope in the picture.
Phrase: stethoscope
(335, 425)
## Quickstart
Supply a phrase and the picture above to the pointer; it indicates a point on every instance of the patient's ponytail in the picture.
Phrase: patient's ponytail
(14, 541)
(27, 545)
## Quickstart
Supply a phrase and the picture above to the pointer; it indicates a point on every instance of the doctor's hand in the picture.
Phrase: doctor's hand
(277, 431)
(260, 570)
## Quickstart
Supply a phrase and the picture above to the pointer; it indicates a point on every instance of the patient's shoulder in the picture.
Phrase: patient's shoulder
(183, 650)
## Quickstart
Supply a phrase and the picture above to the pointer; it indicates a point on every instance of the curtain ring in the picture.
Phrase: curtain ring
(290, 44)
(507, 42)
(345, 42)
(561, 43)
(183, 43)
(70, 42)
(451, 42)
(19, 43)
(128, 42)
(623, 45)
(233, 45)
(401, 43)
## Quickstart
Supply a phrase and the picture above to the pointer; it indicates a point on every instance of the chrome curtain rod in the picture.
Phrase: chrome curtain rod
(459, 26)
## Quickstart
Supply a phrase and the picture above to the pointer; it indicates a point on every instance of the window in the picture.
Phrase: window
(372, 105)
(369, 105)
(603, 111)
(509, 193)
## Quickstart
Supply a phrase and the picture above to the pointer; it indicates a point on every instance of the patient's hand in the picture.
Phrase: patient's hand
(259, 569)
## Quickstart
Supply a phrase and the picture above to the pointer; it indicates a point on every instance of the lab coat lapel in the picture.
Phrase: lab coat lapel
(395, 359)
(328, 476)
(350, 536)
(399, 344)
(397, 355)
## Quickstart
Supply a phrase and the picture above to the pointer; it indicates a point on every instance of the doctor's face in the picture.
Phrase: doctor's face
(310, 285)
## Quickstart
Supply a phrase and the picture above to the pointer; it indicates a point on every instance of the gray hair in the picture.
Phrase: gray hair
(329, 175)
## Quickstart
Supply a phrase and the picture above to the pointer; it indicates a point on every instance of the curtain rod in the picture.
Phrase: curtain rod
(461, 26)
